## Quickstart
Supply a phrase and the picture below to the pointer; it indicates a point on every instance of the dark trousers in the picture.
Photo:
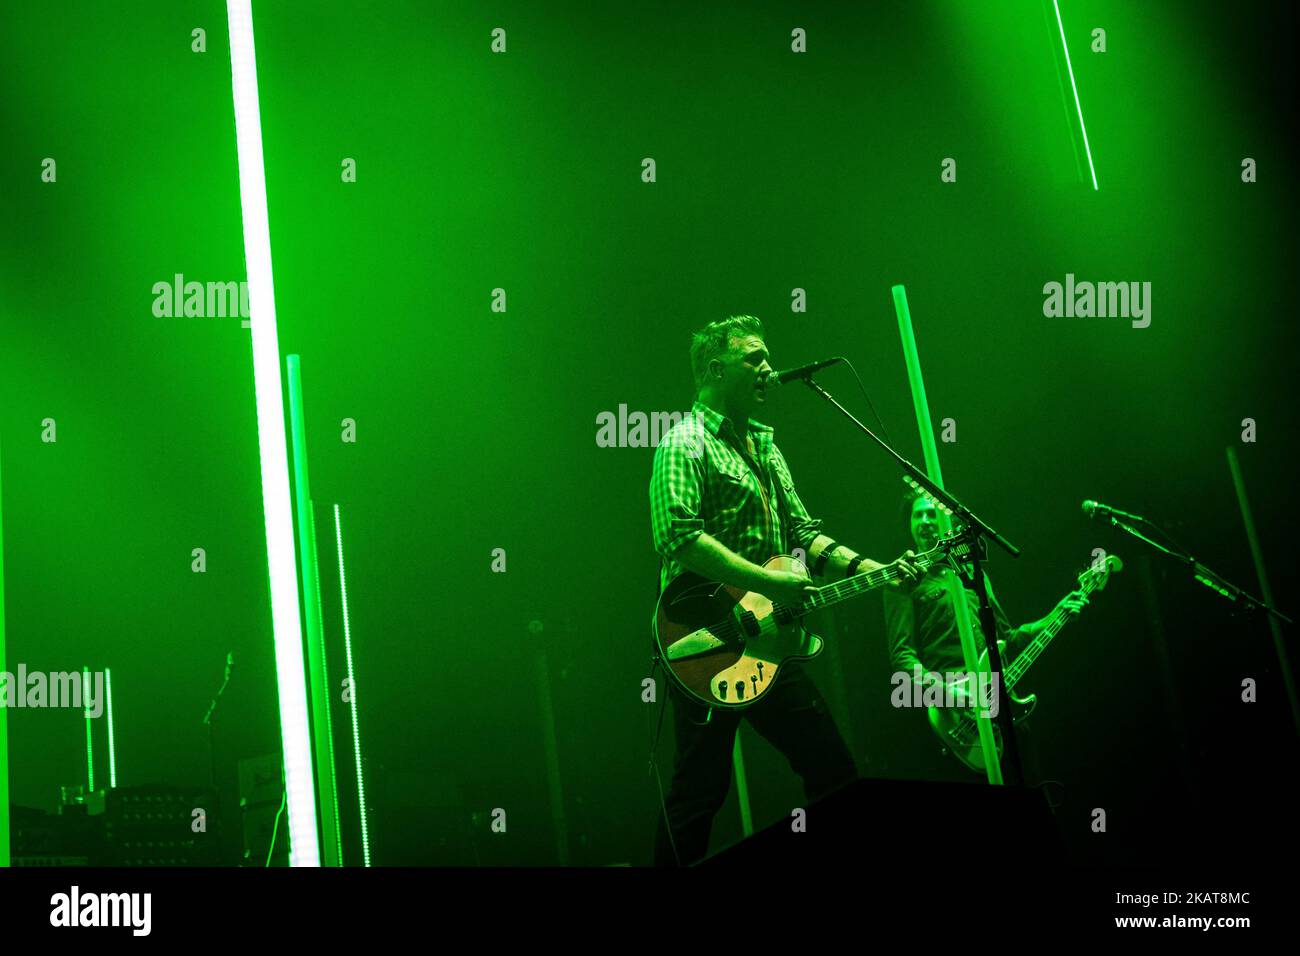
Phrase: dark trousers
(793, 717)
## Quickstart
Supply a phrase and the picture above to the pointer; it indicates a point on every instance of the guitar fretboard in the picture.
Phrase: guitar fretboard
(1017, 668)
(830, 594)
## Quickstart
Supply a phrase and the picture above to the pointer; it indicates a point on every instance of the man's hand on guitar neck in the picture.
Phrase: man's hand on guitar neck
(907, 573)
(1072, 604)
(794, 587)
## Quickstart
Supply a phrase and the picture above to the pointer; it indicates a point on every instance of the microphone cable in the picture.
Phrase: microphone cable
(653, 764)
(870, 404)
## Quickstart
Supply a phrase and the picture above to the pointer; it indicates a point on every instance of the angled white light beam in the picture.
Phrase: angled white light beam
(1074, 87)
(112, 743)
(286, 619)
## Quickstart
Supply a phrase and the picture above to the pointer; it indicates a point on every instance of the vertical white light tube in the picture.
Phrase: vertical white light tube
(286, 619)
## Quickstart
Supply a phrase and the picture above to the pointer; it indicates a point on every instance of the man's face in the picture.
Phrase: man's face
(744, 373)
(925, 523)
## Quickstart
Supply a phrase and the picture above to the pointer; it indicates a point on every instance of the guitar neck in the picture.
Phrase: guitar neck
(831, 594)
(1034, 649)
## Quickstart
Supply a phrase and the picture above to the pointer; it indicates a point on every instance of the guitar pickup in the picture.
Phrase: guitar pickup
(748, 622)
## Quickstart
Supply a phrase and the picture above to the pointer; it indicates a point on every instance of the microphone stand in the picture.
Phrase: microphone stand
(1215, 582)
(980, 533)
(207, 722)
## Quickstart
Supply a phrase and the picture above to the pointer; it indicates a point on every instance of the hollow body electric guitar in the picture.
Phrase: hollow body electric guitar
(957, 727)
(725, 647)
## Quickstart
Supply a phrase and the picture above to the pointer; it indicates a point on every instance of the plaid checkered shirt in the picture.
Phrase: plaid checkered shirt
(702, 483)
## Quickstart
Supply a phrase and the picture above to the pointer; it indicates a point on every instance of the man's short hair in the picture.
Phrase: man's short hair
(909, 502)
(715, 339)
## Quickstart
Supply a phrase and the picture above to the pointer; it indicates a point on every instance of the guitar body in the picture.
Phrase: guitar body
(957, 727)
(724, 646)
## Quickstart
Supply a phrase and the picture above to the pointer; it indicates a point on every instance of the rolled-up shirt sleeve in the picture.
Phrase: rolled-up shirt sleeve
(803, 528)
(675, 493)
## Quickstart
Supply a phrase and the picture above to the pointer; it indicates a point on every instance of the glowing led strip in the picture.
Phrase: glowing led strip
(4, 714)
(90, 744)
(304, 845)
(352, 685)
(1077, 106)
(112, 747)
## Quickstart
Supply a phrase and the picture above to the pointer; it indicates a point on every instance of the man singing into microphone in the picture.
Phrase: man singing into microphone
(721, 503)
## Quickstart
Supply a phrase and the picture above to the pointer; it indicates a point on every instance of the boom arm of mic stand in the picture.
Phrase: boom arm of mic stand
(921, 478)
(1202, 574)
(979, 532)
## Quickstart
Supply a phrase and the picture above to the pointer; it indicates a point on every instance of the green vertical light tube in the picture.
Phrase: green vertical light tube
(90, 740)
(352, 687)
(838, 690)
(988, 745)
(318, 678)
(325, 692)
(1060, 85)
(742, 786)
(551, 751)
(4, 711)
(1265, 591)
(112, 746)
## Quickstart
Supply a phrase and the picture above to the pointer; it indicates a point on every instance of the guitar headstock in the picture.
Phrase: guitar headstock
(1098, 573)
(953, 548)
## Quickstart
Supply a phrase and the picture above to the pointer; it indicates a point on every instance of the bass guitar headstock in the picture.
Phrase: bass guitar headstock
(953, 548)
(1095, 575)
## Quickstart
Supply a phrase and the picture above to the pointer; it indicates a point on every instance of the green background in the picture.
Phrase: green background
(475, 430)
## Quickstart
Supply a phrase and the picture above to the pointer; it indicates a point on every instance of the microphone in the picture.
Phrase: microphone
(1094, 508)
(800, 374)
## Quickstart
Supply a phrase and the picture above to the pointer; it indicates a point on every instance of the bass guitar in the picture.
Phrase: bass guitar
(956, 726)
